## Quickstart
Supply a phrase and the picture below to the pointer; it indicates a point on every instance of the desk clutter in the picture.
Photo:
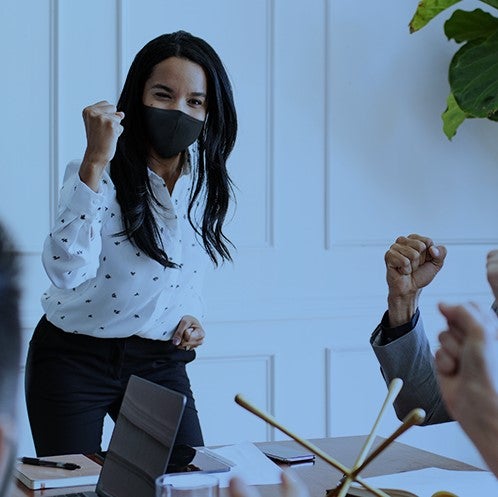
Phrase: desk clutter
(430, 482)
(122, 465)
(245, 460)
(250, 463)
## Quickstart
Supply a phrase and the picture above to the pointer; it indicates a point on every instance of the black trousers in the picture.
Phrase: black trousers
(73, 380)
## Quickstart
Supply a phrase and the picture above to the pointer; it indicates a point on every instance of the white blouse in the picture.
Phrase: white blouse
(104, 286)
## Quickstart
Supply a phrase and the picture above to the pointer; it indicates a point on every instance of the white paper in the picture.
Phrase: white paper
(425, 482)
(249, 463)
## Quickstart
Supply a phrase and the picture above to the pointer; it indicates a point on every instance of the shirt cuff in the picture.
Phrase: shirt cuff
(388, 334)
(85, 202)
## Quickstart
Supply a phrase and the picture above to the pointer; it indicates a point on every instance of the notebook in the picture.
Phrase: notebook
(40, 477)
(142, 442)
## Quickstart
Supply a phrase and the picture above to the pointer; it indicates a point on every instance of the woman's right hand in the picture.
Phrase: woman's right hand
(103, 127)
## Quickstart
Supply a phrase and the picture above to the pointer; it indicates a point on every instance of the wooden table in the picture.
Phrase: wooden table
(396, 458)
(320, 476)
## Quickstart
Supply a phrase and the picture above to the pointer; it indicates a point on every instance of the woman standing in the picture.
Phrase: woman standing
(139, 218)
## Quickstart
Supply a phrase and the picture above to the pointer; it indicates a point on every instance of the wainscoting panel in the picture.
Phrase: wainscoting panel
(217, 380)
(390, 166)
(24, 125)
(86, 59)
(354, 397)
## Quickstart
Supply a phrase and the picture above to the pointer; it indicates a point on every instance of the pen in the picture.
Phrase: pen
(33, 461)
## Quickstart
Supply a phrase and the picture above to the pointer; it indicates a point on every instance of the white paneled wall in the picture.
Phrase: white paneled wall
(389, 161)
(340, 150)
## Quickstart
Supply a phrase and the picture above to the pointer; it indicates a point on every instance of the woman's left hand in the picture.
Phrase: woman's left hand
(188, 334)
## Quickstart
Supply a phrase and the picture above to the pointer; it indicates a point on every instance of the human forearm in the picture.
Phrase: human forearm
(480, 422)
(401, 308)
(91, 171)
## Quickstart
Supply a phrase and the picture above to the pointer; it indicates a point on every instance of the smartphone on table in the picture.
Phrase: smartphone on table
(287, 454)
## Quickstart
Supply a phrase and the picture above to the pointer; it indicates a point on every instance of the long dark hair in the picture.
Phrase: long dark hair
(210, 177)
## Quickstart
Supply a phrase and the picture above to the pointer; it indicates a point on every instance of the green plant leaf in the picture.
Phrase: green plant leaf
(473, 77)
(452, 117)
(427, 10)
(468, 26)
(493, 3)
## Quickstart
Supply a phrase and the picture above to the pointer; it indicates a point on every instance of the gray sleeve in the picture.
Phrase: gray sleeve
(409, 358)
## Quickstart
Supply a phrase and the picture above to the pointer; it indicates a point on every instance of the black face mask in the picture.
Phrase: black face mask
(170, 131)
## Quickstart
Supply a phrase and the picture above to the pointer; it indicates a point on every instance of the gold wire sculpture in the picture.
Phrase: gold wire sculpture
(414, 417)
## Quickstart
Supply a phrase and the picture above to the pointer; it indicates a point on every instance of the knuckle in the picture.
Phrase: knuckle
(414, 255)
(419, 245)
(87, 112)
(416, 236)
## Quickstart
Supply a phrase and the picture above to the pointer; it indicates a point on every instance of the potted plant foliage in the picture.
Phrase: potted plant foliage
(473, 71)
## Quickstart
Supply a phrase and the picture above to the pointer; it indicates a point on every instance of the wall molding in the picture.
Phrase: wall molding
(269, 195)
(329, 353)
(314, 309)
(120, 16)
(270, 123)
(327, 204)
(269, 363)
(356, 242)
(328, 388)
(53, 118)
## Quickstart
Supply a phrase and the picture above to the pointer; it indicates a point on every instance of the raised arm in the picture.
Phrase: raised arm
(102, 126)
(399, 342)
(72, 249)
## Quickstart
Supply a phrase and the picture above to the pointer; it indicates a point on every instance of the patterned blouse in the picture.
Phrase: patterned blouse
(104, 286)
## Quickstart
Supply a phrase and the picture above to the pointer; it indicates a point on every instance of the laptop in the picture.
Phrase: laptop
(143, 441)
